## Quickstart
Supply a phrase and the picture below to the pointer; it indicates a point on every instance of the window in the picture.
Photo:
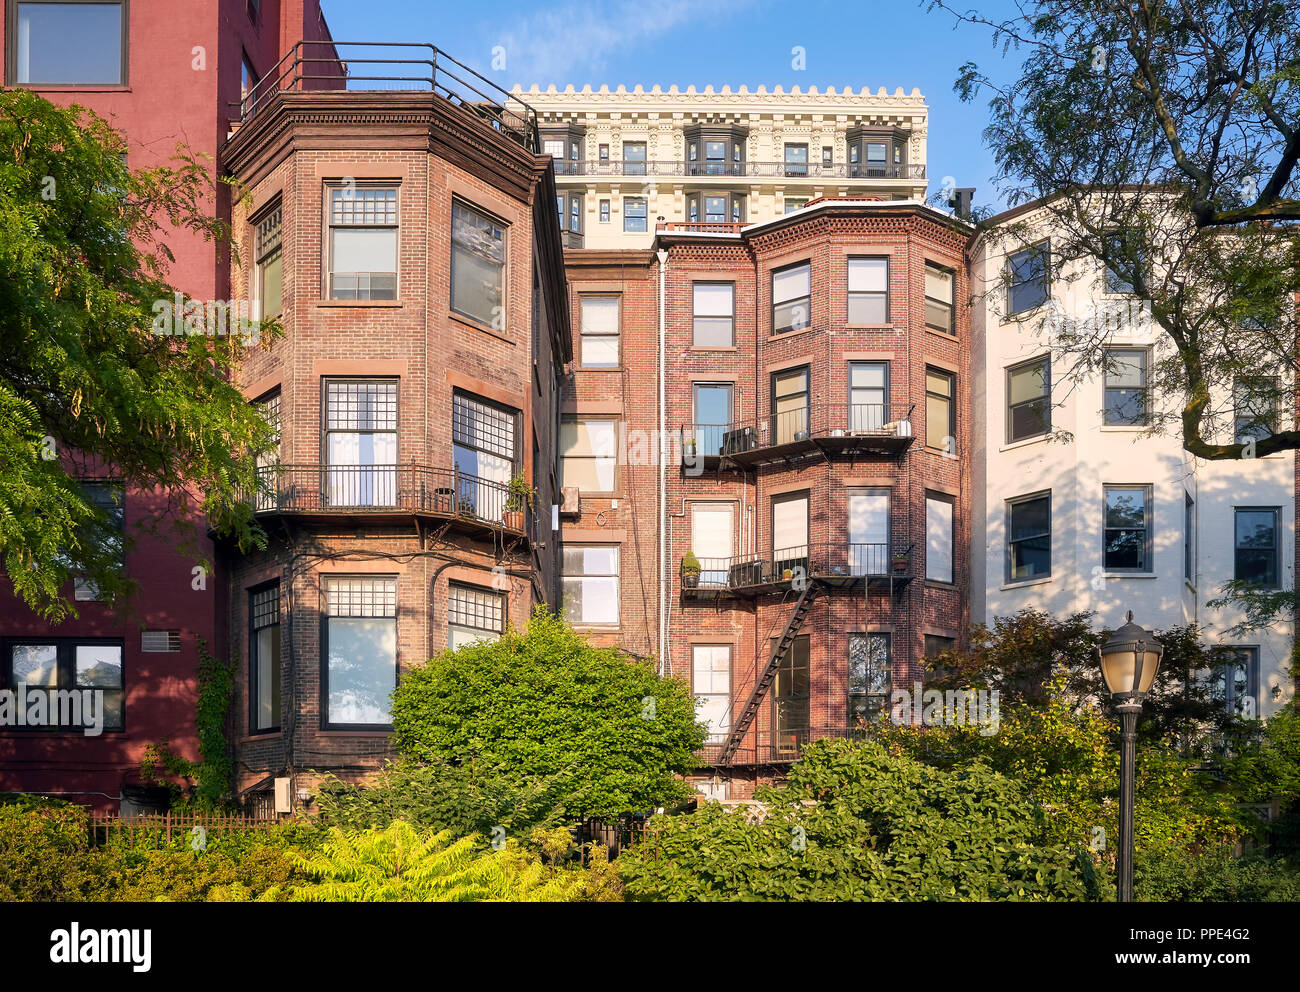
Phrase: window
(604, 211)
(484, 449)
(634, 215)
(937, 644)
(796, 160)
(1029, 537)
(712, 416)
(589, 583)
(869, 524)
(360, 650)
(478, 266)
(474, 615)
(589, 454)
(939, 538)
(939, 299)
(940, 410)
(634, 159)
(790, 698)
(1029, 399)
(1237, 682)
(868, 291)
(870, 678)
(600, 326)
(1125, 250)
(110, 500)
(868, 396)
(254, 10)
(363, 242)
(247, 85)
(827, 155)
(711, 683)
(269, 278)
(715, 158)
(1257, 546)
(790, 406)
(73, 668)
(1254, 402)
(791, 297)
(361, 442)
(1028, 280)
(790, 533)
(602, 153)
(268, 461)
(713, 314)
(1125, 387)
(570, 220)
(58, 43)
(1126, 542)
(264, 659)
(711, 535)
(1189, 538)
(793, 203)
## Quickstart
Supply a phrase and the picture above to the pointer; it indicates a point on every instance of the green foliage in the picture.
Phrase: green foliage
(857, 823)
(473, 797)
(402, 864)
(43, 853)
(546, 703)
(193, 876)
(1267, 765)
(519, 494)
(690, 564)
(85, 381)
(1215, 877)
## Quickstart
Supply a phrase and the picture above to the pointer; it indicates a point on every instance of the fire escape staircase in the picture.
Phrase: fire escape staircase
(782, 650)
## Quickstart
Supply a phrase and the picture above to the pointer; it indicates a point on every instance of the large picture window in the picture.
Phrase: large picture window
(264, 658)
(359, 644)
(68, 666)
(62, 43)
(478, 266)
(363, 242)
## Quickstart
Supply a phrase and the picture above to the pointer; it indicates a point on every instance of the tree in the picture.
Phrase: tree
(544, 703)
(87, 388)
(1161, 141)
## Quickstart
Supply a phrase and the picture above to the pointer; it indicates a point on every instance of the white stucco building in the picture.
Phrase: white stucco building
(624, 158)
(1075, 507)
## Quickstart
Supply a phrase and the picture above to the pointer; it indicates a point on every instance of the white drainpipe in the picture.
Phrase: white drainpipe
(662, 255)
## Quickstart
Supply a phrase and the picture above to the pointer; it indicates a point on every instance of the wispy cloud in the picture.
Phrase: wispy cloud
(572, 42)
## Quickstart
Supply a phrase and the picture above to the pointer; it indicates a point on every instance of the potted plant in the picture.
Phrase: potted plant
(690, 570)
(900, 562)
(787, 574)
(519, 496)
(689, 448)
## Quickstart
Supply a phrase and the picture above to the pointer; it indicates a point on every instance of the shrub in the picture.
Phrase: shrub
(1215, 877)
(546, 703)
(43, 853)
(857, 823)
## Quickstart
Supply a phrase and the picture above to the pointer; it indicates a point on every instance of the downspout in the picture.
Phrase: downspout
(664, 667)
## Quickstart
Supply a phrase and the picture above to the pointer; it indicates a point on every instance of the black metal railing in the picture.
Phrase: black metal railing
(804, 423)
(739, 170)
(366, 66)
(772, 746)
(389, 489)
(847, 561)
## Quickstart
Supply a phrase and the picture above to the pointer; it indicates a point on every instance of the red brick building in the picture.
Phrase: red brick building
(162, 79)
(410, 243)
(816, 376)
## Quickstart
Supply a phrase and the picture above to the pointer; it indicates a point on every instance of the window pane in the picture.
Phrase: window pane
(364, 250)
(868, 275)
(938, 284)
(477, 265)
(69, 43)
(791, 284)
(712, 332)
(939, 540)
(1031, 543)
(35, 665)
(362, 670)
(868, 310)
(1027, 279)
(600, 315)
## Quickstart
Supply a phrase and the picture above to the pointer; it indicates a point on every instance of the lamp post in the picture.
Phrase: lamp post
(1129, 662)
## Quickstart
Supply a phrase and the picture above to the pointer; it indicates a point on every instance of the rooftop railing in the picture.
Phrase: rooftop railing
(381, 66)
(738, 170)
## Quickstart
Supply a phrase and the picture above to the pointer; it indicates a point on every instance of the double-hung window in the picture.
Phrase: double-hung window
(1028, 279)
(599, 332)
(868, 396)
(713, 314)
(1236, 683)
(362, 242)
(62, 43)
(790, 405)
(712, 528)
(359, 641)
(634, 158)
(1255, 403)
(868, 291)
(1125, 385)
(589, 454)
(796, 160)
(1029, 399)
(711, 685)
(634, 215)
(269, 284)
(713, 416)
(1257, 545)
(361, 442)
(589, 582)
(485, 452)
(940, 410)
(478, 266)
(870, 678)
(791, 297)
(264, 658)
(1126, 539)
(939, 538)
(939, 290)
(1029, 537)
(474, 615)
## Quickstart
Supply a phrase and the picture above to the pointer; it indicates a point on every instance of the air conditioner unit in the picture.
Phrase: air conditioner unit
(283, 795)
(570, 502)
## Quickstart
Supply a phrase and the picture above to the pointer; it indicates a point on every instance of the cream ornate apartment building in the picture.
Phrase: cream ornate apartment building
(626, 160)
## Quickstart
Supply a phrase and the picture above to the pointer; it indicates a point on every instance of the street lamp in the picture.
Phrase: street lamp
(1129, 662)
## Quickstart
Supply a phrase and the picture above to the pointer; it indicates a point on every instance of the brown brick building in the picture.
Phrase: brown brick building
(816, 423)
(411, 245)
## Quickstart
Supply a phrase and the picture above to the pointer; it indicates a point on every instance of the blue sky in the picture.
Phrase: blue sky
(716, 42)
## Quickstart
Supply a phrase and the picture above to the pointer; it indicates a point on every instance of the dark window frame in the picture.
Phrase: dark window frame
(1009, 572)
(1276, 549)
(806, 372)
(1144, 419)
(950, 399)
(1044, 249)
(254, 628)
(503, 266)
(1148, 526)
(950, 305)
(11, 46)
(793, 301)
(325, 617)
(1045, 399)
(872, 703)
(66, 664)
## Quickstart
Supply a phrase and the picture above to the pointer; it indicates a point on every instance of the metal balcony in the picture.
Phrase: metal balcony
(738, 170)
(375, 492)
(767, 747)
(847, 429)
(836, 566)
